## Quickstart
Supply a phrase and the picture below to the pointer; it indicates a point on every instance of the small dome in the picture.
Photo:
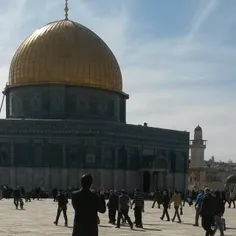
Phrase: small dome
(198, 128)
(65, 52)
(231, 179)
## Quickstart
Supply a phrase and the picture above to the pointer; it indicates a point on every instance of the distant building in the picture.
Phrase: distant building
(206, 173)
(197, 147)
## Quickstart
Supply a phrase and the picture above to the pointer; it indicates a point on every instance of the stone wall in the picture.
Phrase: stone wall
(64, 178)
(60, 152)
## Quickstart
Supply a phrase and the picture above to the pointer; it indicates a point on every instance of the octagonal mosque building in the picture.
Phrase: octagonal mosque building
(66, 115)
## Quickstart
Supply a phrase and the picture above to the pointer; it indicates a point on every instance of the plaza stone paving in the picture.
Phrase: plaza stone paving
(38, 216)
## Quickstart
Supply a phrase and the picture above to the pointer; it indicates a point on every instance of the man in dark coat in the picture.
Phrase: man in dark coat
(207, 212)
(86, 205)
(113, 206)
(62, 207)
(166, 203)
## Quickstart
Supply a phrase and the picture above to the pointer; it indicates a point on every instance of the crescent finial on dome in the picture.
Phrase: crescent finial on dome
(66, 9)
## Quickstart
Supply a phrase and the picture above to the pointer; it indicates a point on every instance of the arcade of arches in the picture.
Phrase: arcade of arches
(155, 178)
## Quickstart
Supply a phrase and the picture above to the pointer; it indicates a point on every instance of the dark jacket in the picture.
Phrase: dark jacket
(16, 193)
(62, 200)
(124, 201)
(208, 206)
(157, 196)
(113, 201)
(166, 201)
(219, 206)
(86, 205)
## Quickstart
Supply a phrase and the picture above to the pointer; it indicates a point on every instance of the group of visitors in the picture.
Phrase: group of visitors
(209, 205)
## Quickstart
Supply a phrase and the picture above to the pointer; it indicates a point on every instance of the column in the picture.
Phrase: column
(12, 181)
(64, 172)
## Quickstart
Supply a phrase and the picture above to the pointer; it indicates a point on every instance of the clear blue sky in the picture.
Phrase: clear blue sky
(177, 57)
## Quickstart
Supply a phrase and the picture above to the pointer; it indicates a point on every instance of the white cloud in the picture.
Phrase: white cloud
(173, 83)
(201, 17)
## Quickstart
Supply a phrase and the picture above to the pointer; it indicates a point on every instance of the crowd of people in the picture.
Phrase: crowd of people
(209, 205)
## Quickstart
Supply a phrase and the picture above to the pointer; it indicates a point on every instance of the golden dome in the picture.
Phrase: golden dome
(65, 52)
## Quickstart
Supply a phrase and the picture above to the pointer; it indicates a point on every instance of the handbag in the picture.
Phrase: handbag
(223, 224)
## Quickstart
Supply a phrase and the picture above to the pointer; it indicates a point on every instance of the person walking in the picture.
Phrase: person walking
(86, 206)
(138, 203)
(123, 209)
(166, 203)
(157, 199)
(198, 204)
(112, 206)
(176, 199)
(62, 207)
(207, 212)
(17, 198)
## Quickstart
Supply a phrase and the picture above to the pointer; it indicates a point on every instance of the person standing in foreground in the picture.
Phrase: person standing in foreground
(86, 205)
(207, 212)
(62, 207)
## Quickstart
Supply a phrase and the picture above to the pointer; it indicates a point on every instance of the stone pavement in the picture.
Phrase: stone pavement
(38, 216)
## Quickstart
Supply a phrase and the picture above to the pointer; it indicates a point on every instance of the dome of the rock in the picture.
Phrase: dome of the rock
(65, 52)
